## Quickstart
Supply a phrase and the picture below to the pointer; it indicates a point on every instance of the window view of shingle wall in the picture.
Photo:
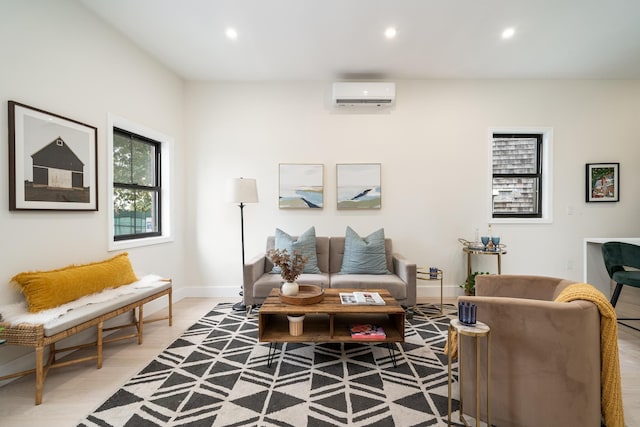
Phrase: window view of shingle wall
(517, 194)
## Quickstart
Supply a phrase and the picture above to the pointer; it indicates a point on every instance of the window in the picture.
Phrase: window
(140, 185)
(520, 165)
(136, 186)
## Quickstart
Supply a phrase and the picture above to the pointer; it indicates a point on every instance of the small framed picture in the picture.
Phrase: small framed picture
(603, 182)
(52, 161)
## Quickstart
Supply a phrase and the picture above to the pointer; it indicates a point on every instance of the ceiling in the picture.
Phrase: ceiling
(344, 39)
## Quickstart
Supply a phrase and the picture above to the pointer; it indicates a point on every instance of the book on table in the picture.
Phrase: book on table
(362, 298)
(367, 331)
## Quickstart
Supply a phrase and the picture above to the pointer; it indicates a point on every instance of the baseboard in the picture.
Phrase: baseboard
(206, 292)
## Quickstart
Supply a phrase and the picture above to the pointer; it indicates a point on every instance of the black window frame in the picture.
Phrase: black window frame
(538, 175)
(157, 188)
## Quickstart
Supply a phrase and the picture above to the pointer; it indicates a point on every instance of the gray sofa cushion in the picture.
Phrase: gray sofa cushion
(396, 287)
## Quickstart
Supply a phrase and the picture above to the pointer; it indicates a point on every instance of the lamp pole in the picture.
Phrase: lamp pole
(241, 306)
(243, 191)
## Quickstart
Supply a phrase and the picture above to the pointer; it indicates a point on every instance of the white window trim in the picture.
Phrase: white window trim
(547, 175)
(166, 150)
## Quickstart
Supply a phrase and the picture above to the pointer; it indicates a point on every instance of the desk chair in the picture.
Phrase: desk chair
(618, 257)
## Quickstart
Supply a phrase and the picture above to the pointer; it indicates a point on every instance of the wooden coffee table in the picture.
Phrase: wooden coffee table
(329, 320)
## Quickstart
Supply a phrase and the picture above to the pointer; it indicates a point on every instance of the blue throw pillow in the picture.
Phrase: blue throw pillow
(364, 255)
(304, 245)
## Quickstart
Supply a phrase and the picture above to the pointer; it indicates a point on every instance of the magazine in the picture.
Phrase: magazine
(367, 331)
(362, 298)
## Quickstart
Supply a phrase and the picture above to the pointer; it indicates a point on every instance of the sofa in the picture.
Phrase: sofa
(545, 355)
(400, 280)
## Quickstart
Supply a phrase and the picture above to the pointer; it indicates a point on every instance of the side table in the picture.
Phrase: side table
(470, 252)
(478, 331)
(423, 273)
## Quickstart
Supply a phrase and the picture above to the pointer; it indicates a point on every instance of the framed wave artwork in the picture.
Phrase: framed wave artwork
(301, 186)
(358, 186)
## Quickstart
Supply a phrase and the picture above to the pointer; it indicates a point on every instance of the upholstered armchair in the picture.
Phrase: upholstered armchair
(545, 355)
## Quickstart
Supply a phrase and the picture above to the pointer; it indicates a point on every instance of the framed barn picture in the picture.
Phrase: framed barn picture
(52, 161)
(603, 182)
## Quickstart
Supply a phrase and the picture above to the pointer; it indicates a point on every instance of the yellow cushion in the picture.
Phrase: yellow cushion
(48, 289)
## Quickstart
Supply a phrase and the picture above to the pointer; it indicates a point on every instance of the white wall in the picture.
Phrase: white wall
(58, 57)
(433, 148)
(434, 151)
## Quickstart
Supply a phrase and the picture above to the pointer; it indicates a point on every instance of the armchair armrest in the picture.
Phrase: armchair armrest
(406, 270)
(547, 322)
(251, 271)
(520, 286)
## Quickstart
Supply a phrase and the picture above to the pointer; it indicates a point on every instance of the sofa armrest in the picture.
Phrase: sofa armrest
(406, 270)
(252, 270)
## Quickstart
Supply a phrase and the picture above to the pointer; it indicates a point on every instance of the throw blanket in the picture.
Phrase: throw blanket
(611, 388)
(452, 345)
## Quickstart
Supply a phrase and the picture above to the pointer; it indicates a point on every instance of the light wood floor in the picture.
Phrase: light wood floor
(73, 392)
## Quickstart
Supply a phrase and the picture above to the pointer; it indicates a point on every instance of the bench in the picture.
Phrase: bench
(45, 328)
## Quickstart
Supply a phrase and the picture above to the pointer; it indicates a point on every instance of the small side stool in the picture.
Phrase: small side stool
(423, 273)
(478, 330)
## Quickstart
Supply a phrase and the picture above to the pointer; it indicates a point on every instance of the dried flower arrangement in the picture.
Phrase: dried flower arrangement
(291, 266)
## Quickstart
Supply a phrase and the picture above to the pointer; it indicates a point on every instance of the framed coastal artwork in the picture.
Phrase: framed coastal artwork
(358, 185)
(301, 186)
(52, 161)
(603, 182)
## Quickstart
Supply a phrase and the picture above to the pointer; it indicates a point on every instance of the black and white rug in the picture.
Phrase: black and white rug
(216, 374)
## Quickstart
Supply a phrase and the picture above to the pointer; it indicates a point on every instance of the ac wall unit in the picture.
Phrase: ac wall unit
(375, 94)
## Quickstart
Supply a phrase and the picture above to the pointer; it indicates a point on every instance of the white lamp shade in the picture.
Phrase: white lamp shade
(243, 190)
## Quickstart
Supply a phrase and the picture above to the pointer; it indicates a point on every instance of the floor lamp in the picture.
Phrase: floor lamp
(242, 191)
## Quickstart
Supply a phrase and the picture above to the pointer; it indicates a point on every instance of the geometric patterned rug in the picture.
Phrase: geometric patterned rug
(216, 374)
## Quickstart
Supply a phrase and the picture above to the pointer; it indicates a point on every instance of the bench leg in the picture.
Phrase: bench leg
(99, 344)
(170, 308)
(39, 373)
(140, 315)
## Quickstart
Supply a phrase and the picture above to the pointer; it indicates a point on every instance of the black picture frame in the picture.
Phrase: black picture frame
(53, 161)
(602, 182)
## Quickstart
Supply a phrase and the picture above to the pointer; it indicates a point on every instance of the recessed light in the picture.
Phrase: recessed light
(508, 33)
(231, 33)
(390, 32)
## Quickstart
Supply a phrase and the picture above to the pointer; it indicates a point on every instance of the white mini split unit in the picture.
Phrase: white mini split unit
(374, 94)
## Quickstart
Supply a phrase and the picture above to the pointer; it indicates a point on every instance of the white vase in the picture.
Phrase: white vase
(289, 289)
